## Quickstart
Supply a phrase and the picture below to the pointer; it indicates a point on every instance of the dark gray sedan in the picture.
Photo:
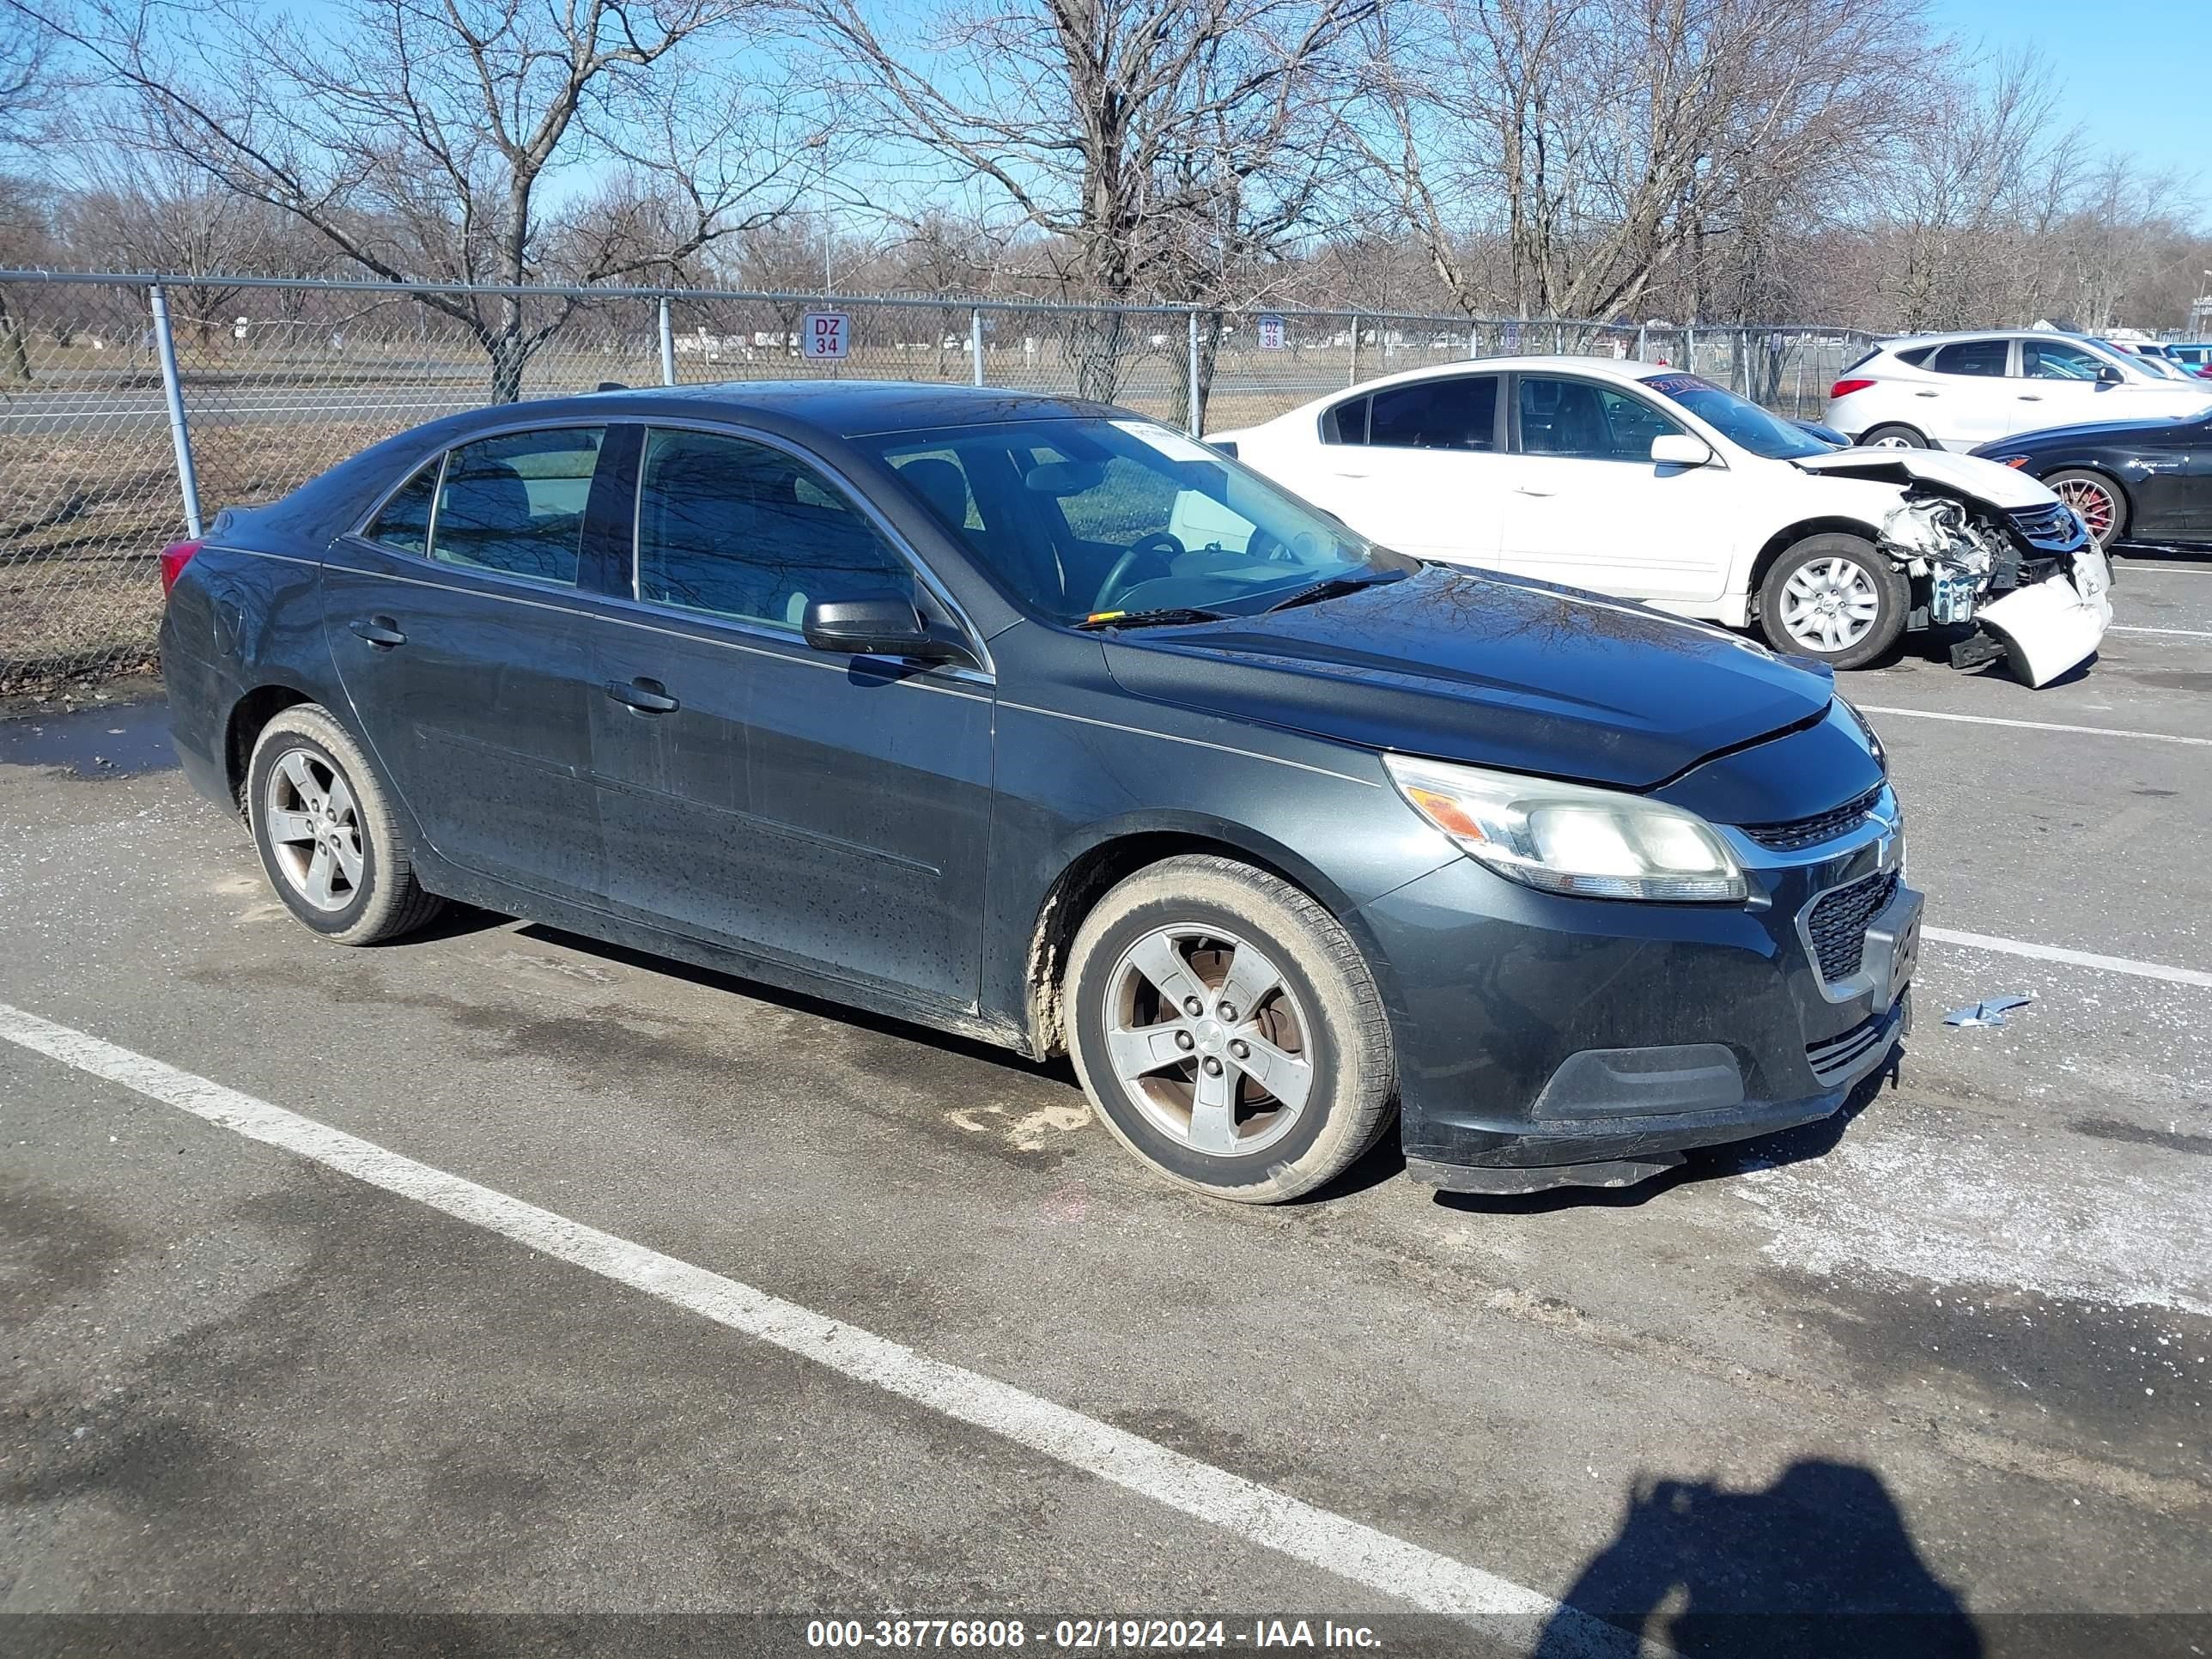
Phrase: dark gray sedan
(1036, 720)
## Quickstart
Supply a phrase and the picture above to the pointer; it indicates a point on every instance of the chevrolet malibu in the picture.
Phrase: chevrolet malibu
(915, 699)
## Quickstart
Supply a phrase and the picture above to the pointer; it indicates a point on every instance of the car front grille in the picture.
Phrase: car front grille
(1833, 1057)
(1838, 925)
(2052, 529)
(1797, 834)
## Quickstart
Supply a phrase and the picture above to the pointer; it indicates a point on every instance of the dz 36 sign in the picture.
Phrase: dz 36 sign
(825, 335)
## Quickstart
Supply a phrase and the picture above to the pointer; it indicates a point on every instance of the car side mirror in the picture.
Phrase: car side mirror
(1680, 449)
(880, 624)
(2111, 375)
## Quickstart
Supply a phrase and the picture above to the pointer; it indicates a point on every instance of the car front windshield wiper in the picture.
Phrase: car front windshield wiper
(1165, 616)
(1335, 588)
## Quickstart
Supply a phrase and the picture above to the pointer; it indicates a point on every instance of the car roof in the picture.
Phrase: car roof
(1621, 370)
(861, 408)
(1908, 340)
(836, 408)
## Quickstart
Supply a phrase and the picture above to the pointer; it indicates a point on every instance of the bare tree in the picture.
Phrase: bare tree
(418, 136)
(1607, 142)
(1151, 144)
(31, 82)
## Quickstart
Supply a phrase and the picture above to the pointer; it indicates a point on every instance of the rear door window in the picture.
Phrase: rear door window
(514, 504)
(1979, 357)
(405, 523)
(1457, 412)
(734, 528)
(1347, 423)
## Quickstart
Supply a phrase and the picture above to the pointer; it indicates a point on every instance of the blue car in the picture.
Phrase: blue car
(1034, 720)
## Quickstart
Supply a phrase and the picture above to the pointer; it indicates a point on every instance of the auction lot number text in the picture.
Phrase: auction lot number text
(1084, 1635)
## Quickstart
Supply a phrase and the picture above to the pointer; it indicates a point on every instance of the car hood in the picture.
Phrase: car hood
(1490, 670)
(2088, 432)
(1983, 480)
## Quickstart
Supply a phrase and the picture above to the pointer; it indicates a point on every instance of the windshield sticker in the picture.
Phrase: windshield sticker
(1673, 386)
(1170, 442)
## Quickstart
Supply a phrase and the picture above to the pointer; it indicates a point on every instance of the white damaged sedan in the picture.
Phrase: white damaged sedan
(1657, 485)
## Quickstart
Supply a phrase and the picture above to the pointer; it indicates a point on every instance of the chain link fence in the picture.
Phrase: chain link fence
(131, 408)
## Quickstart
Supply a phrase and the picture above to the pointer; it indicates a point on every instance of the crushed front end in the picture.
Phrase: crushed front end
(2032, 579)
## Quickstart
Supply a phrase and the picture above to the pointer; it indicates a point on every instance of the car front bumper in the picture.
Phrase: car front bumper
(1544, 1041)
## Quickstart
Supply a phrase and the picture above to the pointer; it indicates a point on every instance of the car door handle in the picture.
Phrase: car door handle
(1349, 475)
(646, 697)
(1523, 489)
(2031, 396)
(380, 631)
(1927, 394)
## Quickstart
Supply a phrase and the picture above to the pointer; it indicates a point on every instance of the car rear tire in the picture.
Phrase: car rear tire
(1283, 1076)
(2102, 504)
(1835, 597)
(1893, 437)
(328, 838)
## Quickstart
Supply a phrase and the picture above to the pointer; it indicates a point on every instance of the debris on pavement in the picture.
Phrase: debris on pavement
(1989, 1011)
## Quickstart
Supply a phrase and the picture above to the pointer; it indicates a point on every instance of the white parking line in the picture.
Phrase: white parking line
(1435, 1583)
(2015, 947)
(2183, 633)
(2036, 725)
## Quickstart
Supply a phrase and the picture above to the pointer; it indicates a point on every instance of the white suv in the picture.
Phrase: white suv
(1959, 390)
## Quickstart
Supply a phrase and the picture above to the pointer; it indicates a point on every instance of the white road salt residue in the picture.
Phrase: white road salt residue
(2051, 1218)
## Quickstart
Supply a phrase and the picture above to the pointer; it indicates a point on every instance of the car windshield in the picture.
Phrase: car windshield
(1094, 519)
(1738, 420)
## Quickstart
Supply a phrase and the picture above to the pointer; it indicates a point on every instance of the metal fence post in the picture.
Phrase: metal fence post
(975, 342)
(1474, 341)
(1352, 374)
(667, 345)
(1196, 425)
(1559, 339)
(181, 437)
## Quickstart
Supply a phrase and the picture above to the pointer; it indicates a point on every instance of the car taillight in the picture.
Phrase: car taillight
(174, 557)
(1844, 388)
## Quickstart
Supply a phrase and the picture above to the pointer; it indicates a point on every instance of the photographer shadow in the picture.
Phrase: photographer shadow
(1819, 1565)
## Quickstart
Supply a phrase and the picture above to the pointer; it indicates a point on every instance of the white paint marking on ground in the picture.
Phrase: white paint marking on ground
(2181, 632)
(2013, 947)
(1435, 1583)
(2035, 725)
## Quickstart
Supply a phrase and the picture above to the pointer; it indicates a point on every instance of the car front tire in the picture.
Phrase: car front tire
(1228, 1031)
(1834, 596)
(329, 841)
(1893, 437)
(2102, 504)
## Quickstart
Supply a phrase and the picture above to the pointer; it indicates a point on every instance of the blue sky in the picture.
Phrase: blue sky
(2131, 72)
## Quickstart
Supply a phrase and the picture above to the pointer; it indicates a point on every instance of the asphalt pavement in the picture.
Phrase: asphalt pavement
(563, 1341)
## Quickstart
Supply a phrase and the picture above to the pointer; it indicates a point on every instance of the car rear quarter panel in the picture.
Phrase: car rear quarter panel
(240, 619)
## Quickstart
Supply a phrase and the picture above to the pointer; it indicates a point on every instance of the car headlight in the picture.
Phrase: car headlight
(1570, 838)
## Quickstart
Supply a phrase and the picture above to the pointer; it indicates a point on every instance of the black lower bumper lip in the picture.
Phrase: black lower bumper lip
(1620, 1150)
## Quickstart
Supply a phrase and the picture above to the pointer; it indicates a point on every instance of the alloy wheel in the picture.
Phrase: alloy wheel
(1830, 604)
(1208, 1040)
(2092, 501)
(313, 827)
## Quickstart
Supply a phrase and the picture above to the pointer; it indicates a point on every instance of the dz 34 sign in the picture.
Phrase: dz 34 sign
(825, 335)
